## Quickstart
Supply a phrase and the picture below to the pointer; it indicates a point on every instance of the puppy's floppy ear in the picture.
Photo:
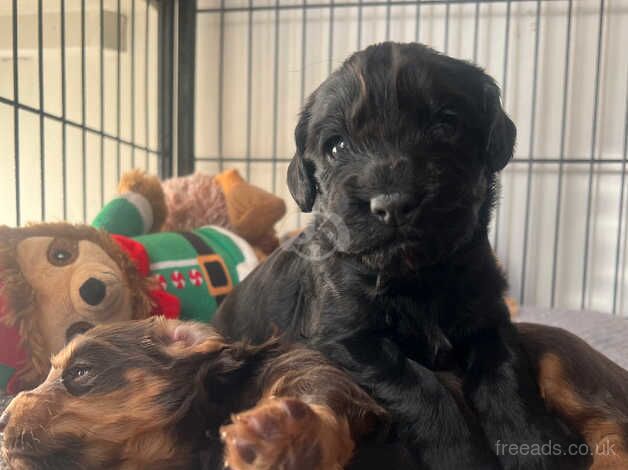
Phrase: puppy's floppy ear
(501, 132)
(301, 180)
(186, 338)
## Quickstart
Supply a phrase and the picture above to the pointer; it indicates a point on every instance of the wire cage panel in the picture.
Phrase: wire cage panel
(559, 229)
(78, 104)
(87, 91)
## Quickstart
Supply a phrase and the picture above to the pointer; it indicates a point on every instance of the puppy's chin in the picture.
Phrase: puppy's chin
(410, 249)
(406, 256)
(398, 258)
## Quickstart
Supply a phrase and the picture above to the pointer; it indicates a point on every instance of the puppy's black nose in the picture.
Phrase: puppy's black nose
(392, 209)
(93, 291)
(4, 420)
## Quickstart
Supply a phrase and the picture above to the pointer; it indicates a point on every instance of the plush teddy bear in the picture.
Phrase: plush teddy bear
(58, 279)
(226, 200)
(187, 202)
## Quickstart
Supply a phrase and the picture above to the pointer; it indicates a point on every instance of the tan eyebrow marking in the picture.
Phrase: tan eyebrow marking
(61, 359)
(361, 101)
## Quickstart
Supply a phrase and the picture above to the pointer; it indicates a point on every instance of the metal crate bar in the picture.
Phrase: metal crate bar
(598, 61)
(516, 161)
(531, 149)
(165, 86)
(447, 19)
(417, 23)
(146, 56)
(563, 126)
(504, 96)
(360, 21)
(16, 116)
(133, 81)
(292, 6)
(186, 82)
(40, 79)
(221, 79)
(303, 61)
(276, 93)
(101, 58)
(83, 112)
(388, 18)
(620, 215)
(249, 90)
(118, 87)
(476, 31)
(64, 134)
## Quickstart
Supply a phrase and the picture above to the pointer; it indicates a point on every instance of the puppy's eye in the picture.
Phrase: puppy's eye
(78, 373)
(446, 127)
(334, 147)
(77, 379)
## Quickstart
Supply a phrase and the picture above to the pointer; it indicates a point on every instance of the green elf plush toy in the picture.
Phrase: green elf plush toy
(197, 268)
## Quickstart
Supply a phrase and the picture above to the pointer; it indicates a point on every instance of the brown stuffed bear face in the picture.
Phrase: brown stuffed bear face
(76, 282)
(60, 279)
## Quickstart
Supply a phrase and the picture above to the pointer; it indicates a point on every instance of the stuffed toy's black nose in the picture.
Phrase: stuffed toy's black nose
(93, 291)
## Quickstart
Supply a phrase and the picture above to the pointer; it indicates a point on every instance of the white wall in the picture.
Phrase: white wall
(542, 142)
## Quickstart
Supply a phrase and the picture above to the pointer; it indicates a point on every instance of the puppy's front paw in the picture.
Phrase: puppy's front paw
(286, 434)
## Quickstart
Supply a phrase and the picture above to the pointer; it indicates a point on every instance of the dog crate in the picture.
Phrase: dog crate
(90, 88)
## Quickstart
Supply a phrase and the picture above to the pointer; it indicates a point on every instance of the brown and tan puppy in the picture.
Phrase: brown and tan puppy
(155, 393)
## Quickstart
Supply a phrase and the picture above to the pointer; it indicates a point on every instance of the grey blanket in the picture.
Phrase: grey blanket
(606, 333)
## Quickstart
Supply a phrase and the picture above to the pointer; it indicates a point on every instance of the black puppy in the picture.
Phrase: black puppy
(402, 144)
